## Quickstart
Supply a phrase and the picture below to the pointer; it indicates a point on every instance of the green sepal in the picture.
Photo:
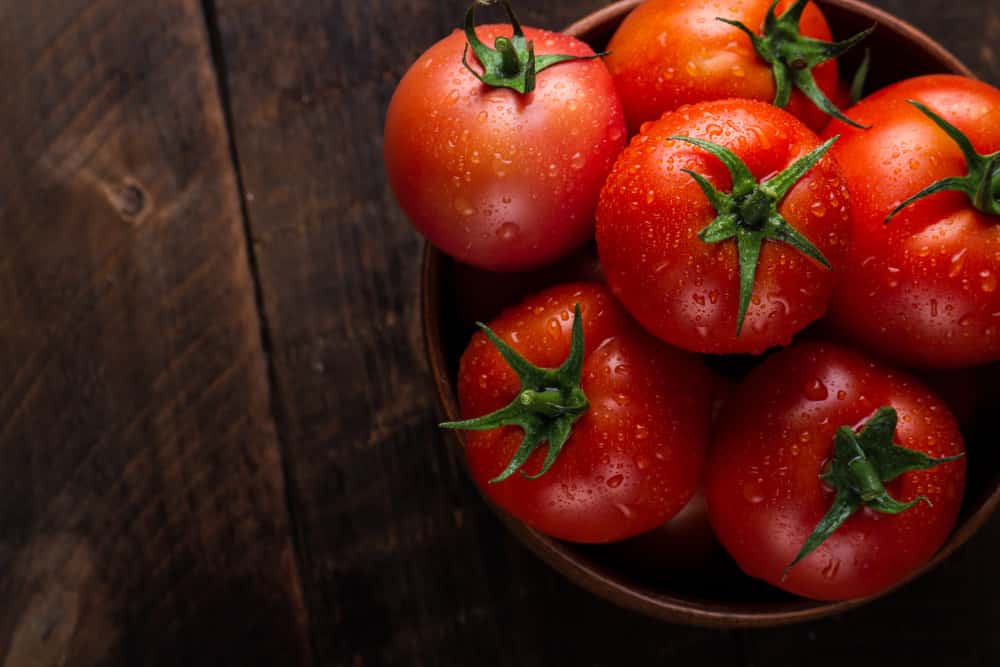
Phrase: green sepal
(512, 63)
(981, 184)
(863, 463)
(860, 79)
(546, 407)
(750, 212)
(793, 56)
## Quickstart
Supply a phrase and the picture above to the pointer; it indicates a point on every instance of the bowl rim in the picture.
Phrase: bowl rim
(582, 570)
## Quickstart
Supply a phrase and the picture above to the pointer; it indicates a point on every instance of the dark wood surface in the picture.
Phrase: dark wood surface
(217, 440)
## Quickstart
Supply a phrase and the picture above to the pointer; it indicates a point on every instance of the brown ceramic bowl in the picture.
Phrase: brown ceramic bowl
(455, 296)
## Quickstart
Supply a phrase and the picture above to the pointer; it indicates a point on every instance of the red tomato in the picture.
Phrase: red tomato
(669, 53)
(633, 458)
(921, 289)
(685, 544)
(686, 290)
(776, 437)
(494, 178)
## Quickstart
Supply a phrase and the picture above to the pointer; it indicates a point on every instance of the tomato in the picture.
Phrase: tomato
(685, 544)
(668, 53)
(784, 428)
(495, 178)
(921, 289)
(636, 443)
(689, 285)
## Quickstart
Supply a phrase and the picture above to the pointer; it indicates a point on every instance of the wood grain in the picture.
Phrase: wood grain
(143, 520)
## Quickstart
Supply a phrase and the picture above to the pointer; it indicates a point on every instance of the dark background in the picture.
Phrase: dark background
(217, 440)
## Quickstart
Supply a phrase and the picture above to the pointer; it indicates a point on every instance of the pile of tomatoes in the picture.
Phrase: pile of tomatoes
(737, 196)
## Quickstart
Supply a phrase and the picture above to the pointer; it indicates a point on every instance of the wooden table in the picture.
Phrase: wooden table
(217, 430)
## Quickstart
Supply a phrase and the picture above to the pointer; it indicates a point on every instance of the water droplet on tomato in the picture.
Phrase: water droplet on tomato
(482, 117)
(625, 510)
(957, 263)
(500, 165)
(463, 206)
(841, 395)
(818, 209)
(816, 390)
(615, 482)
(623, 369)
(752, 492)
(578, 161)
(989, 281)
(508, 231)
(966, 320)
(453, 96)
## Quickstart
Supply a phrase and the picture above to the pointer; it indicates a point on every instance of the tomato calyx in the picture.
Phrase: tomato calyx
(549, 403)
(512, 63)
(750, 212)
(981, 184)
(860, 79)
(863, 463)
(793, 56)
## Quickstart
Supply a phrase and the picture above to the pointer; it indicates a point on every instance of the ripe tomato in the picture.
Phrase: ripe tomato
(652, 219)
(681, 547)
(636, 443)
(921, 289)
(779, 434)
(498, 179)
(668, 53)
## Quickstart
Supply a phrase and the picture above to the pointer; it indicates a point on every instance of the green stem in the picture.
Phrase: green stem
(549, 403)
(866, 479)
(510, 64)
(513, 63)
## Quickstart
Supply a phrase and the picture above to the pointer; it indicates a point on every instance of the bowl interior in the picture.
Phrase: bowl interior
(717, 593)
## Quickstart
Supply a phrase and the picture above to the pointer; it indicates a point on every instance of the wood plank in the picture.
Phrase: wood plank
(403, 562)
(144, 519)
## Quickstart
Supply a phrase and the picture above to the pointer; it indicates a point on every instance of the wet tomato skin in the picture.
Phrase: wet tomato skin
(686, 291)
(634, 459)
(775, 438)
(668, 53)
(924, 289)
(499, 180)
